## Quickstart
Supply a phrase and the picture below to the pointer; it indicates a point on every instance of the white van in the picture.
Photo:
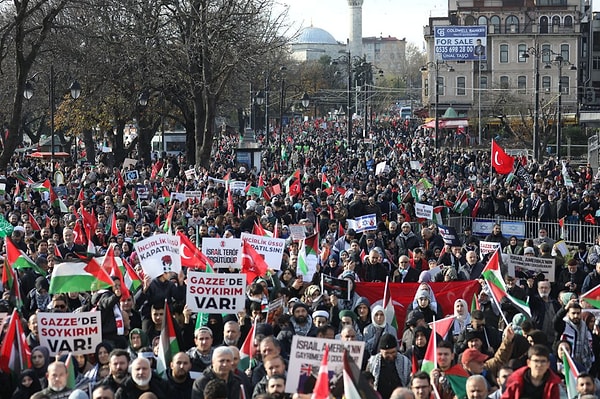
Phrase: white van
(174, 142)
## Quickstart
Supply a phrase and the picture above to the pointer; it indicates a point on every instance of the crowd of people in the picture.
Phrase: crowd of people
(318, 183)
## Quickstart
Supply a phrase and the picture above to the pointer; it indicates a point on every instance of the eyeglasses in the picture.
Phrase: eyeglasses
(60, 306)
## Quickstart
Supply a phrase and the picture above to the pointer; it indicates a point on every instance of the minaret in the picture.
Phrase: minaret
(355, 13)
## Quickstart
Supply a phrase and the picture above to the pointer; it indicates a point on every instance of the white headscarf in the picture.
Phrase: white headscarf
(425, 289)
(376, 309)
(461, 321)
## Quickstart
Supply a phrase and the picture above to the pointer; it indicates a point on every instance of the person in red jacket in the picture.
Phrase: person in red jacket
(535, 380)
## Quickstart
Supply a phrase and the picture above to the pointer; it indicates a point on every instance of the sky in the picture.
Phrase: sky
(397, 18)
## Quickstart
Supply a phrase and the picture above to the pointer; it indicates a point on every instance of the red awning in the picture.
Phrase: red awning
(48, 155)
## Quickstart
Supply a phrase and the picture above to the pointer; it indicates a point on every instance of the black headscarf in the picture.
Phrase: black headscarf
(23, 392)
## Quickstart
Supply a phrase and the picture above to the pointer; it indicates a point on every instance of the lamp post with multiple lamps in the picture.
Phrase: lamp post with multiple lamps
(437, 65)
(304, 100)
(364, 77)
(559, 61)
(347, 60)
(74, 88)
(539, 53)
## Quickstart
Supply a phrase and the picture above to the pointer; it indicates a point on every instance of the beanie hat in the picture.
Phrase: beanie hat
(388, 341)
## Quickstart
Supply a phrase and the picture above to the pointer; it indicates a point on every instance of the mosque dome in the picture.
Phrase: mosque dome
(312, 35)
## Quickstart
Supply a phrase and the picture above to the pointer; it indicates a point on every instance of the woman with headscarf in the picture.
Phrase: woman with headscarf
(590, 320)
(137, 340)
(40, 359)
(379, 326)
(419, 345)
(102, 352)
(425, 302)
(462, 317)
(28, 384)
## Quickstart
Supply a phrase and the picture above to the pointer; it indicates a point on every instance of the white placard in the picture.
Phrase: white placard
(423, 211)
(297, 232)
(306, 355)
(521, 266)
(216, 293)
(270, 248)
(77, 333)
(159, 254)
(225, 252)
(486, 247)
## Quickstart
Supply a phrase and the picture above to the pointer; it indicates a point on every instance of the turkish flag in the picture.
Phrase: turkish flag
(191, 256)
(253, 264)
(501, 161)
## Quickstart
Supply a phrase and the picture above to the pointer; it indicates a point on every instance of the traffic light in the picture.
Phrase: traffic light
(590, 95)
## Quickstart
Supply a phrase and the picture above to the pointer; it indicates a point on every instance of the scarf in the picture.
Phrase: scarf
(401, 368)
(42, 301)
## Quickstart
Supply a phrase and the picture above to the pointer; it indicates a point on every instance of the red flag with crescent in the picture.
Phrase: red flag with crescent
(501, 161)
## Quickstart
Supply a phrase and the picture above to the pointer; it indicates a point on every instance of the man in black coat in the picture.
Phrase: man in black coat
(143, 380)
(222, 369)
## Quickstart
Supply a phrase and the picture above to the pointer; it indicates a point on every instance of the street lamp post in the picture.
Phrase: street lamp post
(74, 88)
(305, 101)
(436, 65)
(559, 61)
(347, 59)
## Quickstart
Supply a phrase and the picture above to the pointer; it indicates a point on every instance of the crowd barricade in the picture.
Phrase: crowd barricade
(572, 233)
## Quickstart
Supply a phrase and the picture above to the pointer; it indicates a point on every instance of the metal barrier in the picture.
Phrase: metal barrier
(573, 233)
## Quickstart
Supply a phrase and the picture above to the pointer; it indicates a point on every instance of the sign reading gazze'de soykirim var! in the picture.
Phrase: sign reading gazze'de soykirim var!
(460, 43)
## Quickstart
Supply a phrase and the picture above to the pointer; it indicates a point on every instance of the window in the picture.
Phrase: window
(596, 62)
(564, 51)
(483, 82)
(469, 20)
(568, 22)
(522, 49)
(596, 41)
(495, 22)
(440, 86)
(544, 25)
(504, 82)
(546, 84)
(546, 53)
(564, 84)
(522, 84)
(512, 24)
(504, 53)
(482, 20)
(460, 86)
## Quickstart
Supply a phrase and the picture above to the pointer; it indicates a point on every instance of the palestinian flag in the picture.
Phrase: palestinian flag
(71, 373)
(442, 326)
(260, 231)
(56, 202)
(430, 359)
(247, 350)
(388, 305)
(570, 372)
(592, 297)
(34, 224)
(438, 213)
(325, 184)
(42, 186)
(15, 354)
(321, 389)
(492, 276)
(166, 195)
(457, 378)
(79, 276)
(110, 265)
(23, 179)
(461, 203)
(10, 282)
(295, 175)
(356, 385)
(424, 184)
(308, 253)
(19, 260)
(132, 280)
(168, 225)
(413, 193)
(167, 345)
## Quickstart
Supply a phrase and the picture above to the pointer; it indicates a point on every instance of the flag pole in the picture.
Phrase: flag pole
(434, 345)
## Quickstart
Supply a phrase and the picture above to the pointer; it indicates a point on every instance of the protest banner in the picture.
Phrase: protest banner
(305, 360)
(486, 247)
(216, 293)
(238, 187)
(132, 175)
(77, 333)
(524, 267)
(297, 232)
(449, 235)
(415, 165)
(190, 174)
(363, 223)
(423, 211)
(178, 196)
(159, 254)
(225, 253)
(129, 162)
(270, 248)
(193, 194)
(335, 286)
(381, 167)
(274, 310)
